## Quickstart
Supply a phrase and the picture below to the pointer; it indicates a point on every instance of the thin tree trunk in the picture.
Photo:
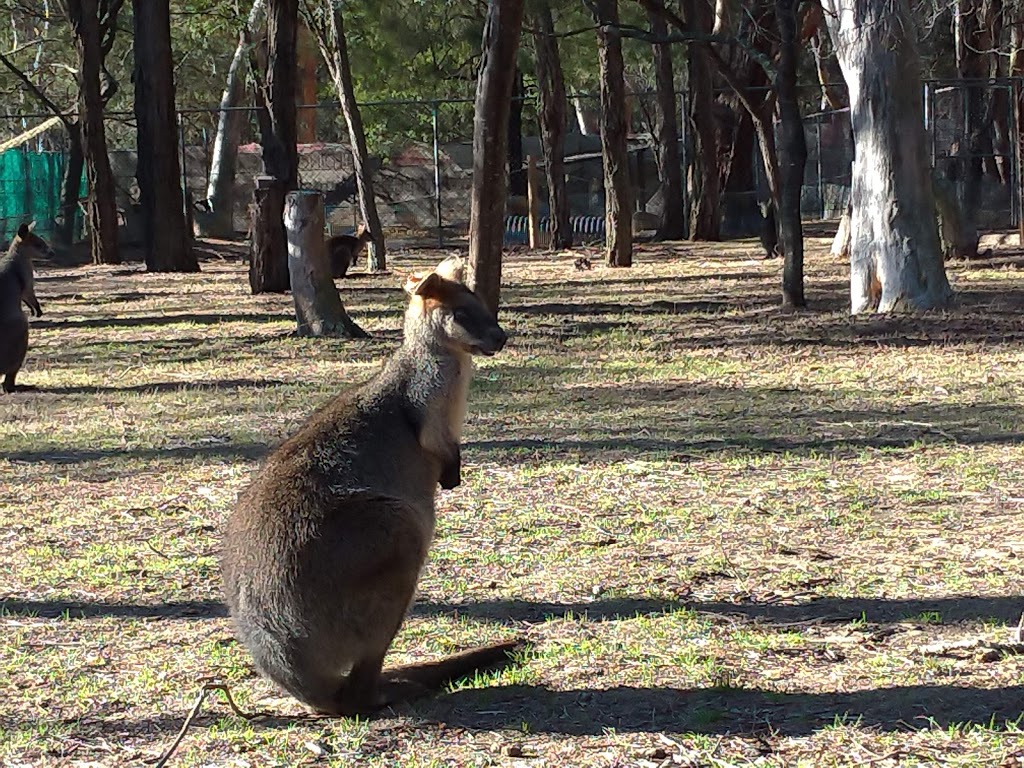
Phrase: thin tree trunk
(551, 84)
(792, 156)
(318, 306)
(269, 272)
(102, 209)
(490, 139)
(168, 239)
(703, 185)
(614, 130)
(70, 187)
(219, 221)
(330, 32)
(895, 257)
(666, 130)
(516, 169)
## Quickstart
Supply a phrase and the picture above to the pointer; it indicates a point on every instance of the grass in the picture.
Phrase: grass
(729, 532)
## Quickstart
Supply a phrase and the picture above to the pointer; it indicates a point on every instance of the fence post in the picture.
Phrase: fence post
(437, 175)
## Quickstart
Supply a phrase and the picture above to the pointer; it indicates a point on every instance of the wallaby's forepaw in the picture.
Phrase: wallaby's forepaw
(37, 310)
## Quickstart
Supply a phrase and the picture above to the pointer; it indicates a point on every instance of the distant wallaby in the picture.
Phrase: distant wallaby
(323, 551)
(343, 250)
(17, 285)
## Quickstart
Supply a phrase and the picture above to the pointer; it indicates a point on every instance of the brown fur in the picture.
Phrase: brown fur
(323, 552)
(343, 250)
(17, 285)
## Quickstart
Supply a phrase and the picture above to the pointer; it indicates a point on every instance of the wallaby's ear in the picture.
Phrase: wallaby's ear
(24, 230)
(32, 226)
(453, 268)
(423, 285)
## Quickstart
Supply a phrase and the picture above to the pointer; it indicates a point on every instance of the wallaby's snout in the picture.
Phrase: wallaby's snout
(493, 341)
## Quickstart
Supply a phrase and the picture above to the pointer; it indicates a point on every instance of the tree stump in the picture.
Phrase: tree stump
(268, 262)
(318, 307)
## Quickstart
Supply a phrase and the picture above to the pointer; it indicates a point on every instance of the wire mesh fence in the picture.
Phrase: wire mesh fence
(422, 159)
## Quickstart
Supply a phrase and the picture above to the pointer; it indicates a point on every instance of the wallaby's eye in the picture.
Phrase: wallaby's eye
(461, 317)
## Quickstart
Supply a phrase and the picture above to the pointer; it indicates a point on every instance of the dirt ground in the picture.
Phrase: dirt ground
(733, 535)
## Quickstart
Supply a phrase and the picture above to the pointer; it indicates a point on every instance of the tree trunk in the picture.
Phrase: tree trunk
(618, 210)
(666, 130)
(220, 191)
(318, 307)
(895, 258)
(704, 191)
(490, 138)
(102, 208)
(269, 272)
(70, 187)
(334, 48)
(516, 170)
(168, 240)
(792, 155)
(551, 84)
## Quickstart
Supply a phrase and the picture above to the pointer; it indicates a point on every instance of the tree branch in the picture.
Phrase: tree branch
(686, 34)
(42, 97)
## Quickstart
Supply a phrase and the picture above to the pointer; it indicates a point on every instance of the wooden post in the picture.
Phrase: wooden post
(318, 308)
(537, 238)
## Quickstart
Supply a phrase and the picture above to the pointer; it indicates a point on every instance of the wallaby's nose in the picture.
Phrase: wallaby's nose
(499, 337)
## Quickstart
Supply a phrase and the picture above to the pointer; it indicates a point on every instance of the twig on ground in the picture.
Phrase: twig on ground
(203, 692)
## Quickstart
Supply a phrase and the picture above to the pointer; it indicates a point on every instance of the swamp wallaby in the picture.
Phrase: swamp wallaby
(343, 250)
(17, 285)
(323, 551)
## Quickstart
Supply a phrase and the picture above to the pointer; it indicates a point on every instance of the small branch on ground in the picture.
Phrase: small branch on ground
(203, 692)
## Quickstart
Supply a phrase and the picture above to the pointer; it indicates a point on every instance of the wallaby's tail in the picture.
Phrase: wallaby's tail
(433, 675)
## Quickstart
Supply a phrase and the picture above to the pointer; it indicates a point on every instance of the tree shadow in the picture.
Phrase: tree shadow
(72, 609)
(752, 420)
(952, 610)
(171, 386)
(65, 456)
(720, 711)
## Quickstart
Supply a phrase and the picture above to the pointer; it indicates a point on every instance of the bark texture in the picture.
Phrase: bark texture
(792, 156)
(102, 206)
(318, 307)
(268, 269)
(551, 83)
(895, 258)
(666, 132)
(168, 241)
(70, 186)
(614, 131)
(490, 139)
(703, 185)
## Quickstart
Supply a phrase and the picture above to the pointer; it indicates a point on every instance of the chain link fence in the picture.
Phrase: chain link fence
(421, 156)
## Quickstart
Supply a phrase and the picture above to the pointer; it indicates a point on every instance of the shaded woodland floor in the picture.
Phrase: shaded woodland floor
(733, 535)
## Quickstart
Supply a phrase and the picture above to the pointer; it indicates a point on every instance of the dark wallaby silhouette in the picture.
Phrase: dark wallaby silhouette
(343, 250)
(323, 551)
(17, 285)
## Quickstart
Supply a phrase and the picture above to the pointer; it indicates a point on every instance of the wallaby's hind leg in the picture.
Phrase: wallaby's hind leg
(9, 382)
